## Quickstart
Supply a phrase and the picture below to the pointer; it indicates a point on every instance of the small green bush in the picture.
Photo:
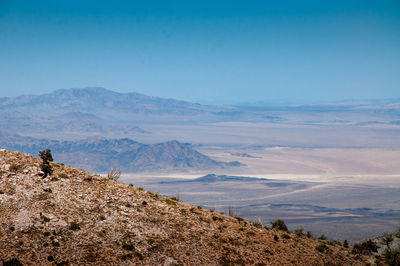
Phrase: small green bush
(392, 257)
(74, 226)
(46, 233)
(63, 175)
(251, 233)
(12, 262)
(239, 219)
(279, 224)
(48, 190)
(321, 247)
(298, 232)
(15, 168)
(285, 236)
(367, 247)
(129, 247)
(170, 202)
(276, 238)
(45, 218)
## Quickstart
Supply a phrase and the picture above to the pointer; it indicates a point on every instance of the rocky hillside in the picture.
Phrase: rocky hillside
(76, 218)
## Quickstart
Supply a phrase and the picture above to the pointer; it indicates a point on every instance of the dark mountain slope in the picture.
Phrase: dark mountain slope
(130, 155)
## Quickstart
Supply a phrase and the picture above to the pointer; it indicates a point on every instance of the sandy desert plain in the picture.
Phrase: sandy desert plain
(342, 181)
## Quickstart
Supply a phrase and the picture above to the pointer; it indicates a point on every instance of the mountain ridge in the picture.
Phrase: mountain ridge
(129, 155)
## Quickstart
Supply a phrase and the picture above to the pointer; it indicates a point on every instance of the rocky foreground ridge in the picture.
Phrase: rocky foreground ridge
(76, 218)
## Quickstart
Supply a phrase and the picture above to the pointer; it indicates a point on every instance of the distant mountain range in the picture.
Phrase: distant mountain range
(80, 113)
(99, 154)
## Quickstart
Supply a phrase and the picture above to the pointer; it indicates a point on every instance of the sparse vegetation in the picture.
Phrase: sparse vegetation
(321, 247)
(299, 231)
(391, 256)
(129, 246)
(74, 226)
(114, 173)
(170, 202)
(63, 175)
(367, 247)
(279, 225)
(46, 157)
(45, 219)
(163, 228)
(12, 262)
(15, 167)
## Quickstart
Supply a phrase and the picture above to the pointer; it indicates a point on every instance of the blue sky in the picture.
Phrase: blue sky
(204, 51)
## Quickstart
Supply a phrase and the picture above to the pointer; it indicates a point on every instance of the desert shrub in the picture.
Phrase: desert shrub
(65, 262)
(74, 226)
(256, 224)
(15, 168)
(127, 246)
(144, 203)
(345, 243)
(367, 247)
(63, 175)
(91, 257)
(239, 219)
(48, 190)
(46, 157)
(12, 262)
(250, 233)
(126, 256)
(139, 255)
(12, 228)
(387, 239)
(50, 258)
(321, 247)
(114, 173)
(392, 257)
(45, 218)
(299, 231)
(170, 202)
(280, 225)
(276, 238)
(285, 236)
(47, 233)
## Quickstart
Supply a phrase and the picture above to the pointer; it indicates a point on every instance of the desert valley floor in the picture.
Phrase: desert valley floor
(341, 193)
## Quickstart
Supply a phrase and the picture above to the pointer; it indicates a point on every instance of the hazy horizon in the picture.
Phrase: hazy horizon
(207, 52)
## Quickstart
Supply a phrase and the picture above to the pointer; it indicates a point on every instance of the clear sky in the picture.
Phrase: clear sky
(204, 51)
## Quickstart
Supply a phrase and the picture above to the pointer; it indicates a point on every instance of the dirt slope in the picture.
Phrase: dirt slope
(77, 218)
